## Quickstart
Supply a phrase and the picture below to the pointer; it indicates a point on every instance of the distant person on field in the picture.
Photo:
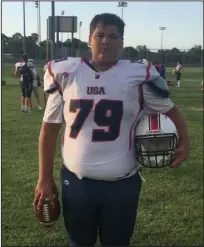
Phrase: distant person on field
(36, 84)
(23, 71)
(177, 73)
(161, 69)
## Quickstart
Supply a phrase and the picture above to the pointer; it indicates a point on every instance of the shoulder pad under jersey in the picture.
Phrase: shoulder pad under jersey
(57, 73)
(154, 80)
(159, 86)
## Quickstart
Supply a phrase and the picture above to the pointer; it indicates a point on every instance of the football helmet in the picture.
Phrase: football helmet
(156, 140)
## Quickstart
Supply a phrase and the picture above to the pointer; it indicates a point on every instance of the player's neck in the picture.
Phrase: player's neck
(103, 66)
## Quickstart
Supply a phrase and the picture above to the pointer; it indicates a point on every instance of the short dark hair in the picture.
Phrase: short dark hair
(24, 57)
(108, 19)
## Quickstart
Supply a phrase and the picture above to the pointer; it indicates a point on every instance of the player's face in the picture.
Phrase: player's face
(106, 44)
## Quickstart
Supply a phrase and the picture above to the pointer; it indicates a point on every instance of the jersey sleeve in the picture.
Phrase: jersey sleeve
(16, 71)
(154, 103)
(54, 109)
(56, 78)
(58, 73)
(152, 78)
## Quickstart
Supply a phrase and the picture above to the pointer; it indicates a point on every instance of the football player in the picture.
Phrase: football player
(23, 71)
(36, 84)
(161, 69)
(99, 101)
(177, 73)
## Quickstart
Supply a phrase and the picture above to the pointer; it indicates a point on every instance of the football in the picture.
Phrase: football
(49, 213)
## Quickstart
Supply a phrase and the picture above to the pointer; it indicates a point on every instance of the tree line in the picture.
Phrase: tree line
(13, 46)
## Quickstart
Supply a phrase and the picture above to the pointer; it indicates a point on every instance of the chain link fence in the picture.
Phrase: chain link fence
(169, 57)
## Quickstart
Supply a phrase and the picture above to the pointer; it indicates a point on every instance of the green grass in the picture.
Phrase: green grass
(171, 205)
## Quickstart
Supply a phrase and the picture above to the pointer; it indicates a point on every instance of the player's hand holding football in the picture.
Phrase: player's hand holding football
(45, 189)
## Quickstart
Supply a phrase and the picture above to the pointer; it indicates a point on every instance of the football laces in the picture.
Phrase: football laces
(46, 212)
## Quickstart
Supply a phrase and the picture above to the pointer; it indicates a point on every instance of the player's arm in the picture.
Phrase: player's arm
(158, 101)
(52, 120)
(16, 72)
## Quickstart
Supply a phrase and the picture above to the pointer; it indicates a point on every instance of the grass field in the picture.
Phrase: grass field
(171, 205)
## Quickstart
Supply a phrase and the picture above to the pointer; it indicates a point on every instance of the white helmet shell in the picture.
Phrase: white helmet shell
(156, 139)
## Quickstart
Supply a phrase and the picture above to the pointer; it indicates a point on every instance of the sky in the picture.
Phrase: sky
(183, 21)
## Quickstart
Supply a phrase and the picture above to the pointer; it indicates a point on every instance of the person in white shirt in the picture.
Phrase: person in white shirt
(177, 73)
(36, 84)
(99, 101)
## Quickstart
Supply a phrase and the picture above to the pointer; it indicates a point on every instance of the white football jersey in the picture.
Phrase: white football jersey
(100, 110)
(19, 64)
(178, 67)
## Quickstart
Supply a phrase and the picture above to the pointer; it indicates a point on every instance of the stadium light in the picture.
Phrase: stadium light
(162, 29)
(122, 5)
(36, 4)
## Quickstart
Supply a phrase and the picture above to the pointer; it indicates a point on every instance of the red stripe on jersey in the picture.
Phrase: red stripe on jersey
(147, 71)
(54, 80)
(140, 103)
(154, 122)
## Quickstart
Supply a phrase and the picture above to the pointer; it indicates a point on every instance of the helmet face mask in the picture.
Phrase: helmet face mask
(155, 148)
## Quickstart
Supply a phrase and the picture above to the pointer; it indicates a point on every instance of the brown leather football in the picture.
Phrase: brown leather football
(50, 212)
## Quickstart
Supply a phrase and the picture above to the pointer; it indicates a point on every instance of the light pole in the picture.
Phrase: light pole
(37, 5)
(24, 29)
(80, 25)
(162, 29)
(37, 42)
(62, 13)
(53, 54)
(122, 5)
(39, 15)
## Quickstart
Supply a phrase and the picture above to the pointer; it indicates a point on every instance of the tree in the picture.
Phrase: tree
(130, 52)
(35, 37)
(17, 36)
(143, 52)
(14, 45)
